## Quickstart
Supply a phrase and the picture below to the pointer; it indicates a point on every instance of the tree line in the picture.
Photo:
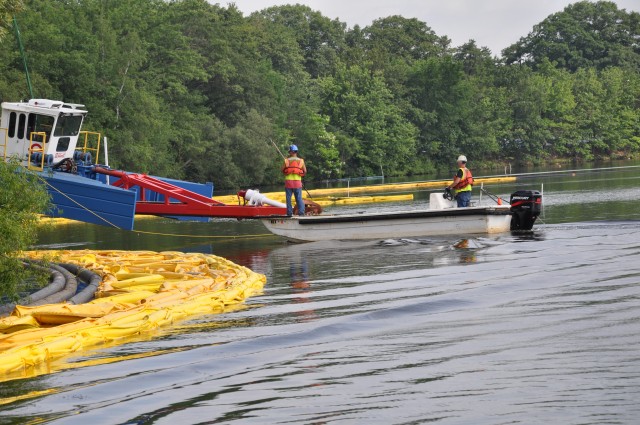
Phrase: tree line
(193, 90)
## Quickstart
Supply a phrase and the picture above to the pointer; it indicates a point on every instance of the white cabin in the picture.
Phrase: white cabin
(49, 126)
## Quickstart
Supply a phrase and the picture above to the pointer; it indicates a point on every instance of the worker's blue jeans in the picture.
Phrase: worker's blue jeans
(297, 193)
(463, 198)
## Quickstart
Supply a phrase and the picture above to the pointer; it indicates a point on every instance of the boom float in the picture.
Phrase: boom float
(139, 293)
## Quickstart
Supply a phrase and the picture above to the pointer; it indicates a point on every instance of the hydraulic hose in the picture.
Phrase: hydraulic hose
(86, 276)
(69, 289)
(63, 286)
(57, 282)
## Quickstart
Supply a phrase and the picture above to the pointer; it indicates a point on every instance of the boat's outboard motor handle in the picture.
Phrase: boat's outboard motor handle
(448, 194)
(525, 209)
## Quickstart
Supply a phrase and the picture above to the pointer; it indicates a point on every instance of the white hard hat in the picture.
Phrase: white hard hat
(462, 158)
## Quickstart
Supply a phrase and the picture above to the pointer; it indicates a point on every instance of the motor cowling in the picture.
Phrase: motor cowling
(526, 206)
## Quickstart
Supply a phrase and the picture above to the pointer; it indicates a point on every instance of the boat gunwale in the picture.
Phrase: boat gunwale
(347, 218)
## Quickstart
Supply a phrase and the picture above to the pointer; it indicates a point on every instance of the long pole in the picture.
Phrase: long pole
(542, 198)
(277, 148)
(283, 157)
(24, 58)
(106, 156)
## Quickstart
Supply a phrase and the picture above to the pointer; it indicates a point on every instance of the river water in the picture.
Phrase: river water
(494, 329)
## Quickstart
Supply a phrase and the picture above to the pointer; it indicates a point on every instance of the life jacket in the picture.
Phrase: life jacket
(465, 182)
(293, 168)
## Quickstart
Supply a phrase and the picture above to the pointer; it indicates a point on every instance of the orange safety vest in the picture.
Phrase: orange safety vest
(293, 168)
(465, 182)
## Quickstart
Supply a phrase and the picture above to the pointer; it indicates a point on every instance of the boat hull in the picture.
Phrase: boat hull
(402, 224)
(83, 199)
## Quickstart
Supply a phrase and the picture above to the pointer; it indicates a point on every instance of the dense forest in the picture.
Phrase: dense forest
(193, 90)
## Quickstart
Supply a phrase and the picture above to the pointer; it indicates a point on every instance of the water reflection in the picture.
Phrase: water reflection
(536, 235)
(299, 280)
(467, 249)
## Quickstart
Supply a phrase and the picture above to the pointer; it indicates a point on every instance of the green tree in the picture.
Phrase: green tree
(393, 45)
(621, 96)
(527, 136)
(372, 134)
(589, 91)
(8, 9)
(584, 34)
(557, 112)
(453, 115)
(397, 38)
(320, 40)
(22, 198)
(476, 61)
(607, 117)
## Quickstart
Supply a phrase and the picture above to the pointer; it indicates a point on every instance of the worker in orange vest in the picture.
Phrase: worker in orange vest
(294, 169)
(462, 183)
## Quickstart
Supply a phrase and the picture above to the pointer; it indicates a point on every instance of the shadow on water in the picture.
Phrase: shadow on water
(486, 329)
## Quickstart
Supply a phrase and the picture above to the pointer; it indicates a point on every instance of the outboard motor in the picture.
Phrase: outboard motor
(525, 209)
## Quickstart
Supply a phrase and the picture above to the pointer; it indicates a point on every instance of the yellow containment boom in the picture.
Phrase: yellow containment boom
(326, 200)
(405, 187)
(324, 195)
(140, 292)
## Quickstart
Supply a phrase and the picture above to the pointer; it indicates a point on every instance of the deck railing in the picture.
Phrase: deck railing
(36, 146)
(89, 138)
(4, 139)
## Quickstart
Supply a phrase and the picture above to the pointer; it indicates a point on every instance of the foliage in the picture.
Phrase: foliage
(190, 89)
(372, 133)
(22, 197)
(8, 8)
(584, 35)
(320, 39)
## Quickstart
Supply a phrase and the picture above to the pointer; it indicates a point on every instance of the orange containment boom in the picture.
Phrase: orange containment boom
(177, 201)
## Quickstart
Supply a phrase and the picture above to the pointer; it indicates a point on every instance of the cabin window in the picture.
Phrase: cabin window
(68, 125)
(63, 144)
(12, 124)
(40, 124)
(21, 121)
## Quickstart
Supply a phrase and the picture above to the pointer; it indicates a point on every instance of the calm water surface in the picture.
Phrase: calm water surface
(504, 329)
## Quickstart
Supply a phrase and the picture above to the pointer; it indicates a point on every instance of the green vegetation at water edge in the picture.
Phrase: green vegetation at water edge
(193, 90)
(22, 198)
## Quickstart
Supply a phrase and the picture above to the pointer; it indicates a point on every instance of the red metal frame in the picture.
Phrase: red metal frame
(183, 202)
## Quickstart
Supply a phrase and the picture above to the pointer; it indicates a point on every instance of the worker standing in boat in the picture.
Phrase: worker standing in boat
(462, 183)
(294, 169)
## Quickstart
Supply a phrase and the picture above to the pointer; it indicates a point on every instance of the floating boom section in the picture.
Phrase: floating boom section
(177, 201)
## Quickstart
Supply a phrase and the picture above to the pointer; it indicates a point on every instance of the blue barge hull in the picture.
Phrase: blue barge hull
(83, 199)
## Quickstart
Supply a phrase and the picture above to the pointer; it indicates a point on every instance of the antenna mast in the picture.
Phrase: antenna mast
(24, 58)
